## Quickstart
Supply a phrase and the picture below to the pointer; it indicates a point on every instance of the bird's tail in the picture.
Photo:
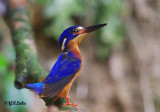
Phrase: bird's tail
(36, 87)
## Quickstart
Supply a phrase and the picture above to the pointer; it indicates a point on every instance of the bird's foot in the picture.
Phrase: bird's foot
(68, 102)
(56, 98)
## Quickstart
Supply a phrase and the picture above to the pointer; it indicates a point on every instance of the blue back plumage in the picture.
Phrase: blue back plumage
(66, 65)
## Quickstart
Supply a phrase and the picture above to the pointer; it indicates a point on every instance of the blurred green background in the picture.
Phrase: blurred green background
(121, 70)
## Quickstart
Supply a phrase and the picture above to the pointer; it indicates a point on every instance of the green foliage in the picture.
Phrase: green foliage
(41, 1)
(111, 35)
(6, 58)
(3, 64)
(61, 12)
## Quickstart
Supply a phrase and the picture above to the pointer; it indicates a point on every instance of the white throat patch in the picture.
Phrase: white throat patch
(64, 41)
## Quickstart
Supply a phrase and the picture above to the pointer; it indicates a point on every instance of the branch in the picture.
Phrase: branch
(28, 69)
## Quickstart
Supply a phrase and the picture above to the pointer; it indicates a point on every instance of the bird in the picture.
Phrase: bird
(67, 67)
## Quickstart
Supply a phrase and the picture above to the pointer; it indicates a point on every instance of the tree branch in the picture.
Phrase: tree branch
(28, 69)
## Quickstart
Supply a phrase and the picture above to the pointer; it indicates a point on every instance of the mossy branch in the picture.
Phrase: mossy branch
(28, 69)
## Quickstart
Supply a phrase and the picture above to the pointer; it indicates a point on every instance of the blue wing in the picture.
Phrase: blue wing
(61, 74)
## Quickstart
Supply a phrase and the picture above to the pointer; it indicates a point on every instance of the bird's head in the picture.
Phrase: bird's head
(75, 34)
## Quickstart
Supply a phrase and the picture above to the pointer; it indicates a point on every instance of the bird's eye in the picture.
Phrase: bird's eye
(73, 30)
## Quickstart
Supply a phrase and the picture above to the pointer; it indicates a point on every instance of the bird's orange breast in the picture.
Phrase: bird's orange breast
(75, 50)
(66, 89)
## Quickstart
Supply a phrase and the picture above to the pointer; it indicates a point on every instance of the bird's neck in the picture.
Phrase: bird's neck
(74, 48)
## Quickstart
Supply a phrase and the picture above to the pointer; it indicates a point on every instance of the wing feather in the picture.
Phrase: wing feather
(61, 74)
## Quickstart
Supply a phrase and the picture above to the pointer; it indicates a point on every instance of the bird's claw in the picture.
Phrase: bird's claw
(69, 104)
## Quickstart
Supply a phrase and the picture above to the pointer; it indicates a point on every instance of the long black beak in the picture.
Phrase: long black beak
(90, 28)
(93, 28)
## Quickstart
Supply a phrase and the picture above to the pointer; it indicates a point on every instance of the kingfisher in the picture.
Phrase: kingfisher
(68, 66)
